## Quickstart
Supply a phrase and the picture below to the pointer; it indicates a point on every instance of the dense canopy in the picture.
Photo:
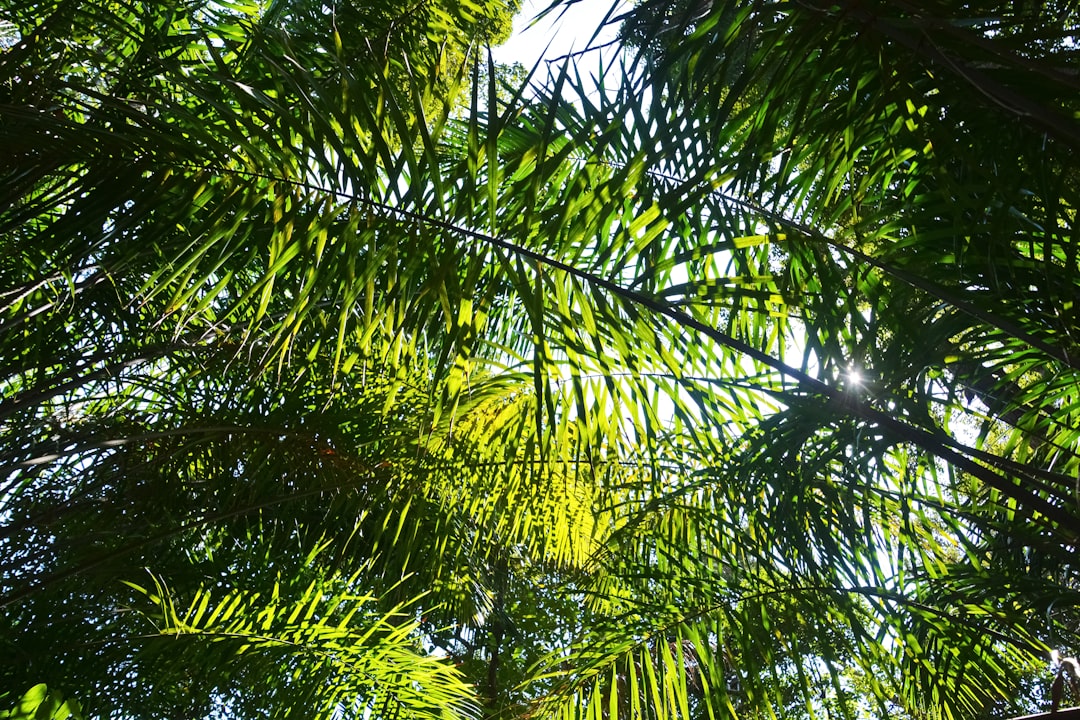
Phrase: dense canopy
(730, 371)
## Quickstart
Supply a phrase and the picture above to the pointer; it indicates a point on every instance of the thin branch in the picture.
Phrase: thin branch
(935, 442)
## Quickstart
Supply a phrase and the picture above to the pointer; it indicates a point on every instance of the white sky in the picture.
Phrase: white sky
(566, 29)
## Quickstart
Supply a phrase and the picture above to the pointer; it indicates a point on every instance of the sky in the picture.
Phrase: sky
(564, 30)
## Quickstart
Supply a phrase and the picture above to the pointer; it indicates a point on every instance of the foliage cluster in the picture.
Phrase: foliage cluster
(742, 383)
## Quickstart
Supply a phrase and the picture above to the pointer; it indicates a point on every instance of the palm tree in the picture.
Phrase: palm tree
(877, 225)
(205, 440)
(742, 387)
